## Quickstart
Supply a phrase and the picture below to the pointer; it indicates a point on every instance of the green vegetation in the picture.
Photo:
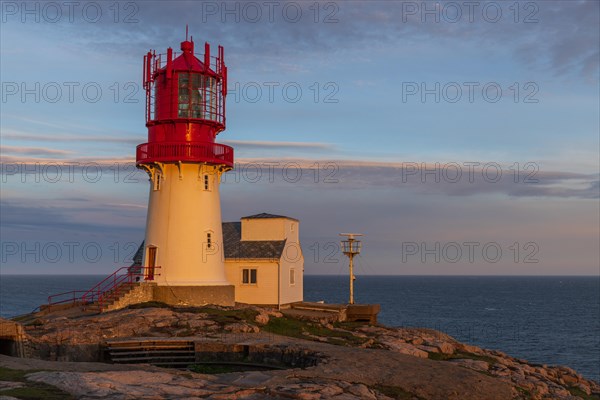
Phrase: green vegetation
(575, 391)
(219, 315)
(20, 318)
(286, 326)
(31, 390)
(214, 369)
(349, 325)
(227, 316)
(462, 355)
(149, 304)
(525, 394)
(395, 392)
(13, 375)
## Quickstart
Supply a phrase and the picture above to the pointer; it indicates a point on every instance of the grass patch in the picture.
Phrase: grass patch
(13, 375)
(213, 369)
(31, 390)
(575, 391)
(350, 325)
(395, 392)
(292, 327)
(228, 316)
(37, 391)
(526, 394)
(462, 355)
(24, 317)
(286, 327)
(219, 315)
(149, 304)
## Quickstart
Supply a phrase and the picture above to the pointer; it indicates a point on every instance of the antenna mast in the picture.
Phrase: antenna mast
(351, 247)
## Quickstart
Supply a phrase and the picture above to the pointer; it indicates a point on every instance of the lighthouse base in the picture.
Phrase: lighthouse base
(184, 296)
(222, 295)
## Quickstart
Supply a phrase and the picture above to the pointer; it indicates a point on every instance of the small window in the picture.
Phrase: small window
(249, 276)
(292, 225)
(206, 182)
(209, 240)
(292, 276)
(157, 181)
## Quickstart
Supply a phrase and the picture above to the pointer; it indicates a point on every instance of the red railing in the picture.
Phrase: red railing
(215, 153)
(67, 297)
(108, 289)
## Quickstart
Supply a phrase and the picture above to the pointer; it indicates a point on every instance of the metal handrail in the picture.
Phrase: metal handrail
(121, 281)
(99, 285)
(103, 290)
(73, 299)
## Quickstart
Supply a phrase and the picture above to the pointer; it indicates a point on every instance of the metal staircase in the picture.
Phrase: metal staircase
(106, 292)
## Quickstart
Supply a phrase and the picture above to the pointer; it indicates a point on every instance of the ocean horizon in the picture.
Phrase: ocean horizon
(553, 320)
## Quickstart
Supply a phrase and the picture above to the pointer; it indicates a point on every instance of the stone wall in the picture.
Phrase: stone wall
(195, 295)
(272, 355)
(12, 337)
(140, 293)
(176, 295)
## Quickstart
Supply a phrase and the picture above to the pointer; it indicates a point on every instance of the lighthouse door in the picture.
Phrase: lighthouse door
(151, 263)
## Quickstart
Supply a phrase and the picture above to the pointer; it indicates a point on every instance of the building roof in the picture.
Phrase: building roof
(267, 215)
(235, 248)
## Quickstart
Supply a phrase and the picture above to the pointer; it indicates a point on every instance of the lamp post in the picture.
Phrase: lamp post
(351, 247)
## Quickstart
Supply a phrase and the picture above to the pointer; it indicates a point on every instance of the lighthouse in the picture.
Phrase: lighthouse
(185, 111)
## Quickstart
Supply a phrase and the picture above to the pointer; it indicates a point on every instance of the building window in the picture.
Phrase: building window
(197, 96)
(157, 181)
(209, 240)
(249, 276)
(292, 277)
(206, 182)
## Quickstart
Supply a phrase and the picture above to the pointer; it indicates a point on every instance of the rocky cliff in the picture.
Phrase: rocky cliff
(348, 360)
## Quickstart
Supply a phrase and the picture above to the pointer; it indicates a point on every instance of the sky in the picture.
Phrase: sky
(461, 138)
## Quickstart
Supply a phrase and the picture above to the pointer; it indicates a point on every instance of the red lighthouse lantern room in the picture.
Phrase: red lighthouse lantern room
(185, 111)
(185, 107)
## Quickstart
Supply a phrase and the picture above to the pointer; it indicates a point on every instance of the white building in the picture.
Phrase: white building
(263, 259)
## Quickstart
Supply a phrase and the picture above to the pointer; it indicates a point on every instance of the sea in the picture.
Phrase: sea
(544, 320)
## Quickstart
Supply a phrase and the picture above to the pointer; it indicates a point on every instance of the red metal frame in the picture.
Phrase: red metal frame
(163, 68)
(185, 107)
(107, 289)
(215, 153)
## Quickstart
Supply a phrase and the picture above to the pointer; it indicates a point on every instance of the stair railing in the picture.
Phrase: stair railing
(108, 288)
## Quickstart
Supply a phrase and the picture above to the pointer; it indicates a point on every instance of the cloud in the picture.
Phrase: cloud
(33, 151)
(89, 216)
(431, 178)
(278, 145)
(12, 161)
(457, 178)
(12, 135)
(560, 34)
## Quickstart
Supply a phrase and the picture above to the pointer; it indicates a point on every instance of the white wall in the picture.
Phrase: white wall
(264, 291)
(180, 213)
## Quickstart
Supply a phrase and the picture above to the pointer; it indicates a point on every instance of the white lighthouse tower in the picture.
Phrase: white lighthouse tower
(185, 111)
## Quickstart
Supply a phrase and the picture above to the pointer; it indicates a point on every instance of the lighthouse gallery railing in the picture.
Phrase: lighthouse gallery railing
(215, 153)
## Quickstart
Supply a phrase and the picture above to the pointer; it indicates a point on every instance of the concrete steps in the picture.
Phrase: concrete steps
(161, 353)
(111, 297)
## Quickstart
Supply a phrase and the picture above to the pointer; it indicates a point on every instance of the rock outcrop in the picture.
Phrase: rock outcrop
(356, 361)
